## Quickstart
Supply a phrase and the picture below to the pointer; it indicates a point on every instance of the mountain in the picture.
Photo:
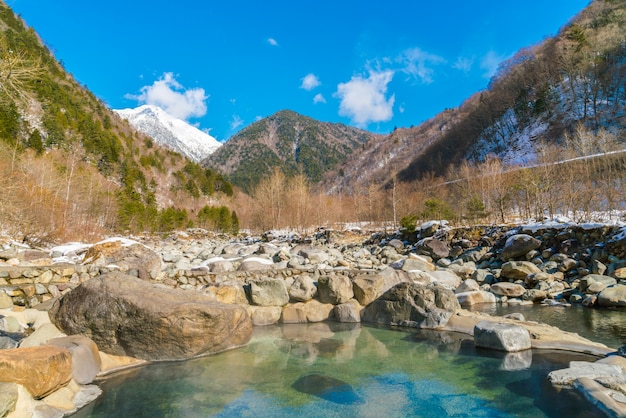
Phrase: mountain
(539, 97)
(171, 132)
(71, 168)
(289, 141)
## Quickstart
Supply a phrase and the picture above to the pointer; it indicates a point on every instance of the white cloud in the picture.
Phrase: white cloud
(363, 99)
(235, 122)
(490, 63)
(272, 41)
(309, 82)
(419, 64)
(319, 98)
(171, 96)
(463, 64)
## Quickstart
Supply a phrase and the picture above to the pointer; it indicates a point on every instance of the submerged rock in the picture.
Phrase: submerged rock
(126, 316)
(327, 388)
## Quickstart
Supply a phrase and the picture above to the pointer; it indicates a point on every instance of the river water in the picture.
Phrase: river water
(340, 370)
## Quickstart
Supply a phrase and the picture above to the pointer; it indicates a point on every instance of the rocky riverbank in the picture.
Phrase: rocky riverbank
(422, 280)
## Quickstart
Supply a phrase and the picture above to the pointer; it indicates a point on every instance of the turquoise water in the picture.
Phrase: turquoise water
(335, 370)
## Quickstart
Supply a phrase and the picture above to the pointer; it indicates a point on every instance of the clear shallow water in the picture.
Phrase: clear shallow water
(335, 370)
(607, 326)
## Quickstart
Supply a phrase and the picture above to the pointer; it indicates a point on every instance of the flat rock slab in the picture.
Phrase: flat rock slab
(126, 316)
(503, 337)
(578, 369)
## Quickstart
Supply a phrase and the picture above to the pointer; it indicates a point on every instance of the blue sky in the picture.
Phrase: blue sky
(222, 65)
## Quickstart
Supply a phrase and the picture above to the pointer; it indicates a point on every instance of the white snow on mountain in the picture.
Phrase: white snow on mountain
(171, 132)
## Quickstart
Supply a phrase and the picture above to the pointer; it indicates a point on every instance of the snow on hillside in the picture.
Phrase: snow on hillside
(171, 132)
(514, 143)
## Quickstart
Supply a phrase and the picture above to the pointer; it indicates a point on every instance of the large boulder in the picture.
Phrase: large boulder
(614, 296)
(41, 370)
(269, 292)
(503, 337)
(518, 245)
(335, 289)
(368, 287)
(131, 257)
(126, 316)
(302, 289)
(410, 304)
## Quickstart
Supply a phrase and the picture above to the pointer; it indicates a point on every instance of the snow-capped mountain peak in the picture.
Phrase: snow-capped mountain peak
(171, 132)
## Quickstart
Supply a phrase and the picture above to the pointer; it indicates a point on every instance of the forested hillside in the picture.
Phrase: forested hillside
(290, 142)
(69, 166)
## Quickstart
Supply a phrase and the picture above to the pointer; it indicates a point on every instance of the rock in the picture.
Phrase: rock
(468, 285)
(415, 262)
(41, 370)
(534, 295)
(620, 273)
(8, 397)
(368, 287)
(41, 336)
(222, 266)
(269, 292)
(294, 313)
(589, 279)
(7, 343)
(445, 278)
(518, 270)
(334, 289)
(86, 362)
(315, 255)
(349, 312)
(10, 324)
(607, 400)
(614, 296)
(590, 300)
(5, 301)
(518, 245)
(578, 369)
(409, 304)
(317, 311)
(508, 289)
(302, 289)
(265, 315)
(127, 255)
(483, 276)
(396, 244)
(503, 337)
(434, 248)
(256, 264)
(475, 297)
(126, 316)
